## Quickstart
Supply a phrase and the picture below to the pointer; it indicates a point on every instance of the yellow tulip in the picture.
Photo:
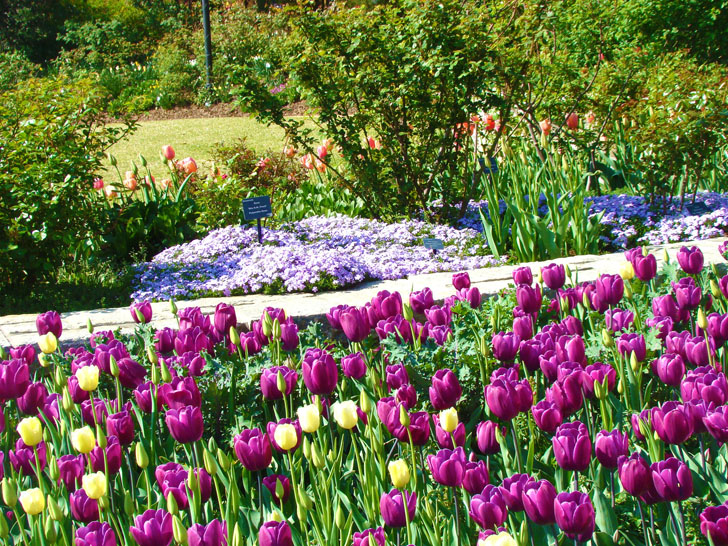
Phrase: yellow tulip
(43, 360)
(32, 501)
(309, 417)
(626, 271)
(94, 485)
(88, 377)
(399, 473)
(501, 539)
(31, 431)
(285, 436)
(48, 343)
(83, 440)
(449, 419)
(345, 414)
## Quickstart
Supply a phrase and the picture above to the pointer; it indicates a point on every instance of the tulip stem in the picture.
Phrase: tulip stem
(518, 447)
(20, 529)
(406, 518)
(412, 456)
(457, 514)
(645, 533)
(682, 522)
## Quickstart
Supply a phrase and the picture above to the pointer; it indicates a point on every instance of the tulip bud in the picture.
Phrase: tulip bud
(484, 347)
(173, 307)
(407, 312)
(567, 270)
(155, 374)
(142, 160)
(54, 511)
(172, 507)
(129, 507)
(104, 502)
(234, 336)
(340, 518)
(50, 531)
(279, 488)
(179, 531)
(564, 303)
(276, 329)
(212, 445)
(715, 289)
(276, 516)
(4, 531)
(267, 324)
(60, 378)
(53, 473)
(634, 364)
(280, 382)
(89, 326)
(627, 290)
(585, 300)
(111, 159)
(10, 492)
(306, 448)
(598, 391)
(152, 356)
(364, 402)
(620, 387)
(493, 323)
(67, 401)
(209, 463)
(100, 437)
(165, 373)
(318, 460)
(404, 418)
(3, 354)
(607, 339)
(702, 320)
(192, 482)
(114, 367)
(237, 537)
(301, 512)
(140, 454)
(665, 256)
(223, 460)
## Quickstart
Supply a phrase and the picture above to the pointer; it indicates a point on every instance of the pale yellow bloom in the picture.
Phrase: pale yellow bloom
(309, 418)
(32, 501)
(345, 414)
(449, 419)
(88, 377)
(285, 436)
(31, 431)
(94, 485)
(48, 343)
(83, 440)
(399, 473)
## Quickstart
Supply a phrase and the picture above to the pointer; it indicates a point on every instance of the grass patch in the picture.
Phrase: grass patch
(191, 138)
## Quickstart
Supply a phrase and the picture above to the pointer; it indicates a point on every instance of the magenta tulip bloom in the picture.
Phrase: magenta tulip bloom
(461, 280)
(714, 524)
(635, 474)
(609, 289)
(567, 393)
(670, 368)
(391, 506)
(572, 446)
(422, 300)
(598, 372)
(673, 422)
(632, 343)
(522, 275)
(224, 318)
(33, 398)
(23, 457)
(407, 396)
(141, 312)
(448, 467)
(446, 439)
(673, 480)
(185, 424)
(320, 373)
(179, 393)
(213, 534)
(512, 491)
(488, 509)
(718, 328)
(289, 335)
(704, 383)
(83, 508)
(49, 321)
(529, 298)
(547, 416)
(353, 365)
(14, 378)
(274, 533)
(269, 382)
(71, 470)
(471, 295)
(610, 446)
(505, 346)
(386, 305)
(253, 448)
(112, 453)
(485, 433)
(445, 390)
(554, 276)
(687, 294)
(95, 534)
(152, 528)
(396, 376)
(355, 324)
(618, 319)
(645, 267)
(574, 513)
(538, 501)
(366, 537)
(23, 352)
(690, 260)
(121, 425)
(439, 316)
(716, 422)
(476, 477)
(500, 395)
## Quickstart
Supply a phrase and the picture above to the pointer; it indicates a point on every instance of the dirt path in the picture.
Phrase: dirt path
(213, 111)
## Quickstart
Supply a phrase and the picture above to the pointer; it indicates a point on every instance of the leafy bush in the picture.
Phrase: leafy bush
(53, 139)
(14, 68)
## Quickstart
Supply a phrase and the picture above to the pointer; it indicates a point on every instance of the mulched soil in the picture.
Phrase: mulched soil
(213, 111)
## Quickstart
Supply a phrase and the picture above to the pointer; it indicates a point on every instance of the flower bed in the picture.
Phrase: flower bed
(315, 253)
(555, 412)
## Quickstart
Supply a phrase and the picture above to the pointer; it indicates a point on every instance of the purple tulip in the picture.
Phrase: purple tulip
(71, 470)
(289, 335)
(716, 422)
(23, 457)
(162, 470)
(121, 425)
(634, 474)
(687, 294)
(445, 439)
(505, 346)
(32, 399)
(500, 395)
(572, 446)
(439, 334)
(49, 321)
(419, 428)
(610, 446)
(571, 348)
(253, 448)
(274, 533)
(670, 368)
(109, 456)
(445, 390)
(179, 393)
(174, 482)
(704, 383)
(476, 477)
(554, 276)
(547, 416)
(718, 328)
(461, 280)
(141, 312)
(391, 506)
(271, 483)
(14, 378)
(83, 508)
(488, 509)
(185, 424)
(690, 259)
(213, 534)
(386, 305)
(632, 343)
(320, 373)
(164, 340)
(538, 501)
(486, 439)
(422, 300)
(439, 316)
(609, 289)
(575, 515)
(78, 395)
(471, 295)
(407, 396)
(699, 410)
(512, 491)
(672, 422)
(714, 524)
(568, 392)
(396, 376)
(269, 382)
(522, 275)
(333, 316)
(191, 317)
(645, 267)
(448, 467)
(366, 537)
(666, 306)
(523, 328)
(225, 318)
(673, 480)
(698, 351)
(353, 365)
(618, 320)
(529, 298)
(529, 353)
(271, 429)
(95, 534)
(675, 343)
(597, 372)
(153, 528)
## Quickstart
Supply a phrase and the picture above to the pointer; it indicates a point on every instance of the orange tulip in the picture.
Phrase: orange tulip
(545, 126)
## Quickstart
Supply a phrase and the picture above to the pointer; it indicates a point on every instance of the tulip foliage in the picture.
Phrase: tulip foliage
(556, 411)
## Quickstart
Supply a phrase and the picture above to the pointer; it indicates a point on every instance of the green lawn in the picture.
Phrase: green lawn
(191, 138)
